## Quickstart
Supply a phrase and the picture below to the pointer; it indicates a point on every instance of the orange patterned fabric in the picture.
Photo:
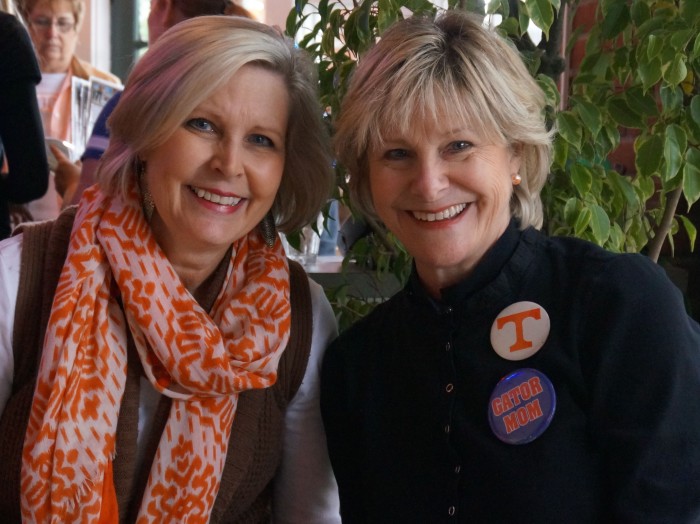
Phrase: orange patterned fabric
(198, 360)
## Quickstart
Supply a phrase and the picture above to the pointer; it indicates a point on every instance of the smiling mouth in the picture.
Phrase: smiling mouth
(445, 214)
(214, 198)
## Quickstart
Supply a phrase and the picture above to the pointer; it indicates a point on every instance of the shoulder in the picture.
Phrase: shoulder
(17, 60)
(595, 266)
(625, 292)
(359, 344)
(11, 27)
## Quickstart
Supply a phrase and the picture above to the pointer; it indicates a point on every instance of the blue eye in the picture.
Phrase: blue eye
(459, 145)
(396, 154)
(200, 124)
(261, 140)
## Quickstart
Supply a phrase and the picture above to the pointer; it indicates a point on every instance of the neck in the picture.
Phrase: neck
(195, 269)
(193, 264)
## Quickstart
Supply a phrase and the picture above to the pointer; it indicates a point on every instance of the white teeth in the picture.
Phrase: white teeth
(450, 212)
(216, 199)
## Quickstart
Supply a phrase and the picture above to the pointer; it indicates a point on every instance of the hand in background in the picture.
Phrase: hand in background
(67, 174)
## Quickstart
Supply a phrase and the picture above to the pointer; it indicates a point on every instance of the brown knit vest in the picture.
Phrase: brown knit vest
(256, 436)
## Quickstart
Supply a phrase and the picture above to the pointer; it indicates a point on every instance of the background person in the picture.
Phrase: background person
(190, 346)
(21, 136)
(516, 377)
(53, 27)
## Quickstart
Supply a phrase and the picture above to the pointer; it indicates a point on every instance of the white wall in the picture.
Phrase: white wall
(93, 39)
(276, 11)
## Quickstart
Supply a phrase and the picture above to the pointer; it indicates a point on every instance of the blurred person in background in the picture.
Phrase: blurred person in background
(24, 170)
(53, 28)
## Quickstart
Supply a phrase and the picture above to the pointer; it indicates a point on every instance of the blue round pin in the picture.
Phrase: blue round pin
(522, 406)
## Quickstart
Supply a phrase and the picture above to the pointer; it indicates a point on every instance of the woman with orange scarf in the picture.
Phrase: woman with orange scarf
(176, 305)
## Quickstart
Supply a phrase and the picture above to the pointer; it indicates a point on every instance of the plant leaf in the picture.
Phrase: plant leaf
(617, 17)
(582, 221)
(649, 152)
(582, 178)
(676, 72)
(691, 176)
(600, 224)
(641, 103)
(675, 145)
(542, 14)
(590, 115)
(569, 128)
(622, 114)
(550, 89)
(690, 230)
(650, 72)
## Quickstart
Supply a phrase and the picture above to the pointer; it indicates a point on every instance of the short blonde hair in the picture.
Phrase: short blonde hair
(183, 68)
(422, 68)
(77, 7)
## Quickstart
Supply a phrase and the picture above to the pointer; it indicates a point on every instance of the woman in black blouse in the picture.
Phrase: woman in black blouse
(517, 377)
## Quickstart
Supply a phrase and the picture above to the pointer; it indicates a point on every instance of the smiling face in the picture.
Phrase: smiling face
(217, 175)
(52, 26)
(444, 191)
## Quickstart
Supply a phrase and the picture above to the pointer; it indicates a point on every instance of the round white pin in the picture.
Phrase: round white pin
(520, 330)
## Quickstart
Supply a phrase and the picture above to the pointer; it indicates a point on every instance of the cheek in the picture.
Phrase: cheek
(376, 184)
(272, 183)
(69, 43)
(386, 186)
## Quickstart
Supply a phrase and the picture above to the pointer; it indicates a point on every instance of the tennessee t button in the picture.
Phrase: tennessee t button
(520, 330)
(522, 406)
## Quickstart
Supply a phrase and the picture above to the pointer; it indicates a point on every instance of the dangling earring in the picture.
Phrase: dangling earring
(268, 230)
(516, 179)
(147, 204)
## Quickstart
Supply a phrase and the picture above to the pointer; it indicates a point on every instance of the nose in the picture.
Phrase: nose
(431, 178)
(227, 158)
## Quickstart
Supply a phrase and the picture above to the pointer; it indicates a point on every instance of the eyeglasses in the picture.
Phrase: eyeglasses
(62, 24)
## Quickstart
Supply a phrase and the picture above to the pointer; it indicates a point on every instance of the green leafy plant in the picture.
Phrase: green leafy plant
(639, 75)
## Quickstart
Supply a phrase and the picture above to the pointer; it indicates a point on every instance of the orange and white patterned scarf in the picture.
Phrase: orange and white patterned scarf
(201, 362)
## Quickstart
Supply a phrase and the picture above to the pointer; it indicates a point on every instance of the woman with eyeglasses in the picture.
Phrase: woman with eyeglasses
(53, 28)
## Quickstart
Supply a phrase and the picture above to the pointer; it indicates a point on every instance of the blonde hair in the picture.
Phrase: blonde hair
(422, 68)
(77, 8)
(183, 68)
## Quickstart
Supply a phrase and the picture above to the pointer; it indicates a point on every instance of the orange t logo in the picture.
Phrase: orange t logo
(517, 319)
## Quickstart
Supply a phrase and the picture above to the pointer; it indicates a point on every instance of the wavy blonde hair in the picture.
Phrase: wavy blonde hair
(422, 68)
